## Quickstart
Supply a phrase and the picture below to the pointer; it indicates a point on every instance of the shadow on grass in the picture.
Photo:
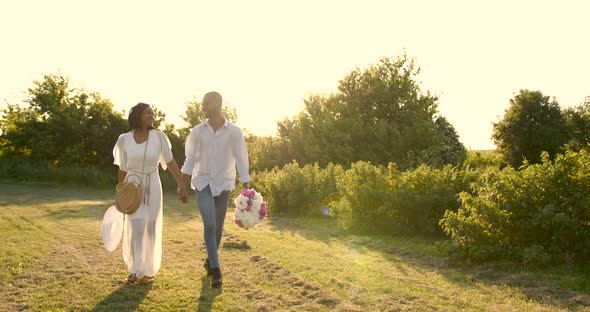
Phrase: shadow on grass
(57, 202)
(208, 294)
(60, 202)
(554, 287)
(312, 228)
(31, 193)
(81, 210)
(173, 208)
(125, 298)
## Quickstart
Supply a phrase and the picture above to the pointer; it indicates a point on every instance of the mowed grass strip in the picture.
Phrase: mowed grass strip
(52, 259)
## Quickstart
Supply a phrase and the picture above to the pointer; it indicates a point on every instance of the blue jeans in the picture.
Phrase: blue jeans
(213, 211)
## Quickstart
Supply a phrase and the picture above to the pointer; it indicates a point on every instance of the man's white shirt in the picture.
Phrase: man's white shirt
(212, 157)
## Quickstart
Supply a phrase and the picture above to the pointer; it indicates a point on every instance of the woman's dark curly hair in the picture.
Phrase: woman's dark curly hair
(135, 112)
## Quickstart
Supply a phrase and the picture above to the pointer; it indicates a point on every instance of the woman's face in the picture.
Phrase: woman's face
(147, 117)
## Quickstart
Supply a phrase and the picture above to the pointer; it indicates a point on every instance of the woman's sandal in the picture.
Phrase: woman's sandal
(146, 279)
(131, 278)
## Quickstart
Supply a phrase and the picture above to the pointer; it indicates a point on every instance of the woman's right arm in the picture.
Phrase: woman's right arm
(121, 176)
(120, 158)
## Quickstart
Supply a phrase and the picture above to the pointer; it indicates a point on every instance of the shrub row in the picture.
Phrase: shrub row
(538, 215)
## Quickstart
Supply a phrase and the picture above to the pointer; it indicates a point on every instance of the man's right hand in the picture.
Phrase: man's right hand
(182, 194)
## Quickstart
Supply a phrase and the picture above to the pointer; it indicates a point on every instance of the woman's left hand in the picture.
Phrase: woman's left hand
(182, 194)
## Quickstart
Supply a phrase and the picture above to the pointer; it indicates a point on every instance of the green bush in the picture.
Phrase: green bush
(388, 201)
(483, 159)
(367, 198)
(538, 215)
(420, 197)
(363, 198)
(295, 190)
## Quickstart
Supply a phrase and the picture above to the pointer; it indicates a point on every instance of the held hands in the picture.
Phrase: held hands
(182, 193)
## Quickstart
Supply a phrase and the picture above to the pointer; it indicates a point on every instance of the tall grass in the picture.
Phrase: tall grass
(21, 170)
(35, 171)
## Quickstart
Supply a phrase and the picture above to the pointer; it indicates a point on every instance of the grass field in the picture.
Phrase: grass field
(52, 259)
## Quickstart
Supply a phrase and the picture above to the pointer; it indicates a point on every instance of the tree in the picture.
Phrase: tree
(445, 148)
(177, 143)
(266, 152)
(61, 124)
(379, 114)
(159, 118)
(15, 127)
(578, 123)
(532, 124)
(315, 135)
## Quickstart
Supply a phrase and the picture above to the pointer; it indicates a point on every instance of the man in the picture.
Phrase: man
(213, 150)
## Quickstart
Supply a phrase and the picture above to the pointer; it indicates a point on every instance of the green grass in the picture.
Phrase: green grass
(52, 259)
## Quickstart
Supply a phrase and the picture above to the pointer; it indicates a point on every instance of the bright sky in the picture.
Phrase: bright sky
(264, 57)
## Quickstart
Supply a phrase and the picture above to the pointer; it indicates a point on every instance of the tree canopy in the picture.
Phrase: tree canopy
(62, 124)
(379, 114)
(532, 124)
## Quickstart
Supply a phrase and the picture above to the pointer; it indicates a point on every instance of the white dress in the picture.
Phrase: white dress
(142, 231)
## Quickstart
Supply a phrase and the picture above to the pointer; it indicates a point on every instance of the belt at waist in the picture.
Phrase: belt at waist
(140, 173)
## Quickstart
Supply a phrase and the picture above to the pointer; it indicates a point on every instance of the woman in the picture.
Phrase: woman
(142, 234)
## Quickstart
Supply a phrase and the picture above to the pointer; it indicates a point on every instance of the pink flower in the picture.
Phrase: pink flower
(245, 193)
(263, 211)
(248, 193)
(238, 223)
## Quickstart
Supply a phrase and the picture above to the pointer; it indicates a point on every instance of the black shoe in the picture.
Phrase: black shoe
(216, 281)
(207, 267)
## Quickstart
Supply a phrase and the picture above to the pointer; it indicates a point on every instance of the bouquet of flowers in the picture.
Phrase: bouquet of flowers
(250, 209)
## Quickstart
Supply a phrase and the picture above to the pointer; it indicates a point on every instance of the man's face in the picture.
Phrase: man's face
(210, 107)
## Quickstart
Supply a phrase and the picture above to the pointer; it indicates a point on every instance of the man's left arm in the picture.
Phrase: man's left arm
(242, 161)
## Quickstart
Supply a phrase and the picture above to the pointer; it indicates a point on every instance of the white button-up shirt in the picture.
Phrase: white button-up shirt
(212, 157)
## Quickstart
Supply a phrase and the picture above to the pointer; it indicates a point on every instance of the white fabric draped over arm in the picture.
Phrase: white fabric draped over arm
(165, 150)
(241, 155)
(191, 149)
(120, 154)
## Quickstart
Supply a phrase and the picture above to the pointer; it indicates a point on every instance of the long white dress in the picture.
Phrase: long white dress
(142, 231)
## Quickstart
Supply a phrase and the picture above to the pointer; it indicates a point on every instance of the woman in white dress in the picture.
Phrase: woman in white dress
(142, 234)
